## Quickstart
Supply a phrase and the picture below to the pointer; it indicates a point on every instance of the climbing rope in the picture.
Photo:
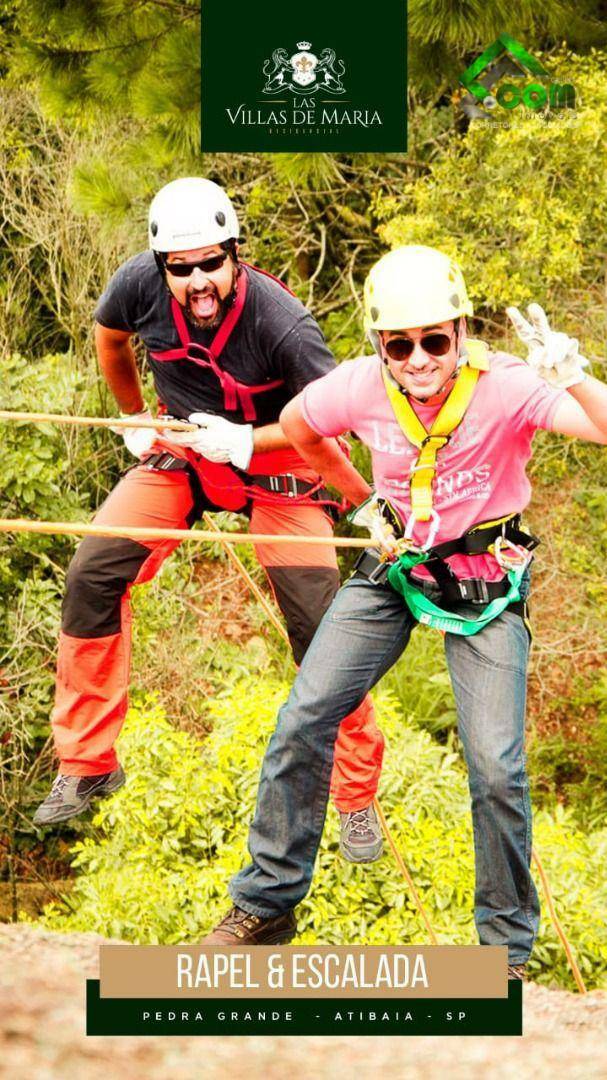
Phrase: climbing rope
(577, 975)
(81, 528)
(159, 424)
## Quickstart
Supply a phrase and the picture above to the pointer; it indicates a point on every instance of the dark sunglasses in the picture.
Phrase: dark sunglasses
(401, 348)
(183, 269)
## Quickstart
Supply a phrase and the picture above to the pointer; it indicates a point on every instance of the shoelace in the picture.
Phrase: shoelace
(359, 822)
(57, 788)
(238, 916)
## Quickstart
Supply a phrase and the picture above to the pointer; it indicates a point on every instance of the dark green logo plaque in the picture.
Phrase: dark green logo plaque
(320, 77)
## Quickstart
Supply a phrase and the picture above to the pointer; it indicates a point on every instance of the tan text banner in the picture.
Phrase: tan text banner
(373, 971)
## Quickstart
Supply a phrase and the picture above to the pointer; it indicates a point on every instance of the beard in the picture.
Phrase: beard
(209, 297)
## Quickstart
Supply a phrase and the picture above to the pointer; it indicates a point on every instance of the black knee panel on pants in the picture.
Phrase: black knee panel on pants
(303, 593)
(97, 579)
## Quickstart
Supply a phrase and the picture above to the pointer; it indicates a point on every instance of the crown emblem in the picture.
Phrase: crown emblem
(304, 44)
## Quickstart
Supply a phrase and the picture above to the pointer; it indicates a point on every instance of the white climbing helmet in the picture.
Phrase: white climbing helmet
(413, 286)
(191, 213)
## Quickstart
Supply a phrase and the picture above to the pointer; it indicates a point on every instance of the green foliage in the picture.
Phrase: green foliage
(522, 233)
(568, 764)
(96, 59)
(155, 866)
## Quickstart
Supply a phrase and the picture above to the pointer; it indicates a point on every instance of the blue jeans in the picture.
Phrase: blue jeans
(361, 636)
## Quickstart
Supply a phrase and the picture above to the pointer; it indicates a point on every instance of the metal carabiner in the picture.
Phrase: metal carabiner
(432, 531)
(519, 557)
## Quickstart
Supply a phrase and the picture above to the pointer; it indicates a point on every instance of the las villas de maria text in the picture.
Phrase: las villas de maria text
(306, 119)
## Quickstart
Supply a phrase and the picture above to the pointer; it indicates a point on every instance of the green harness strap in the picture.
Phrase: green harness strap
(429, 614)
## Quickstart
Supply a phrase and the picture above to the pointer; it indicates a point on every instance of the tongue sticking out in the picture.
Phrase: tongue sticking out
(203, 305)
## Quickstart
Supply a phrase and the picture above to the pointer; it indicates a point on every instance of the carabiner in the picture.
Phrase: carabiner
(432, 531)
(519, 555)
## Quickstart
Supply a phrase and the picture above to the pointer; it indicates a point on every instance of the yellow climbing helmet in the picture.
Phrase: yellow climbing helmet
(413, 286)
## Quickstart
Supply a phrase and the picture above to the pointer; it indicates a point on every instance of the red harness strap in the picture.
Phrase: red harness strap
(235, 393)
(222, 484)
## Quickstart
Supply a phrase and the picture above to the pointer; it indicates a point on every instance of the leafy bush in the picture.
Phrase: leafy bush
(522, 232)
(159, 855)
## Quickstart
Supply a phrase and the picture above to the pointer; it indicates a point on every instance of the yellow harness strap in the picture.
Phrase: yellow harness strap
(449, 417)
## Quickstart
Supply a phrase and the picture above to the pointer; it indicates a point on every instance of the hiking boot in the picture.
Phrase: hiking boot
(360, 838)
(240, 928)
(72, 795)
(518, 972)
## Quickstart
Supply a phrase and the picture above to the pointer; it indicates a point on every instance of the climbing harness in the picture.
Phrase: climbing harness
(229, 488)
(430, 442)
(224, 485)
(430, 614)
(236, 395)
(514, 546)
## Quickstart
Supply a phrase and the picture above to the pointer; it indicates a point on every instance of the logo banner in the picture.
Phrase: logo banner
(320, 78)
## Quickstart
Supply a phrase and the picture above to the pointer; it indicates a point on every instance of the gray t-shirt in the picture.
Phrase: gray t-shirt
(275, 338)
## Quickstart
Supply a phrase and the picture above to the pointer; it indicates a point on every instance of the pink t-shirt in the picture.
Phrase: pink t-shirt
(481, 471)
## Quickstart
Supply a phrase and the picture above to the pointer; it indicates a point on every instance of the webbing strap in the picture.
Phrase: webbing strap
(218, 343)
(429, 442)
(235, 393)
(429, 613)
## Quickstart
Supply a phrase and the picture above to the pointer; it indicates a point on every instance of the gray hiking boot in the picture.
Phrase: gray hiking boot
(72, 795)
(360, 838)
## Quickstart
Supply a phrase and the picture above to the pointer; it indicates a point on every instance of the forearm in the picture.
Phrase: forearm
(323, 455)
(332, 464)
(269, 437)
(119, 369)
(591, 394)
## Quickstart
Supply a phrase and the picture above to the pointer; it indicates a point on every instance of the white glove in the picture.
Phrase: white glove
(368, 516)
(554, 356)
(137, 440)
(218, 439)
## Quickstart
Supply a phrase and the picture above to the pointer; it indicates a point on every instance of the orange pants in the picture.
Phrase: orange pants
(93, 669)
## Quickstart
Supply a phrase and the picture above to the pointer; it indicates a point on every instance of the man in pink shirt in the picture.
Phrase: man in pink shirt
(450, 430)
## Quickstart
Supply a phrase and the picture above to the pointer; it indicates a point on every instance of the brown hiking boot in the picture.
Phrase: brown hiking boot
(240, 928)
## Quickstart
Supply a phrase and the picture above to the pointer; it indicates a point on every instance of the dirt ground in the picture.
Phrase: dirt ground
(42, 980)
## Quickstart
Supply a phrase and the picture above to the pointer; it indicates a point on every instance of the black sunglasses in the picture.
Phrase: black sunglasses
(184, 269)
(401, 348)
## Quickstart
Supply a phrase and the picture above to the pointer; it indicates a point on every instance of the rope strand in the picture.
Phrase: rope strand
(80, 528)
(158, 423)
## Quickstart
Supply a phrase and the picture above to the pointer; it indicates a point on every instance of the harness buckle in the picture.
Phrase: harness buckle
(289, 485)
(474, 590)
(164, 461)
(444, 439)
(284, 484)
(372, 567)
